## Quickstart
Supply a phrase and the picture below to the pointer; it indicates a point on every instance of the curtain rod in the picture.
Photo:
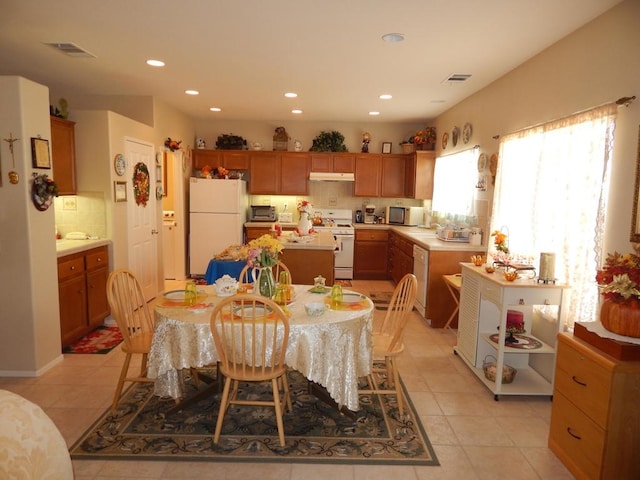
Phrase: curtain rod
(626, 101)
(459, 151)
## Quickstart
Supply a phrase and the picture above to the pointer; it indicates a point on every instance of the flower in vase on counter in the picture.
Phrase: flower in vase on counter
(500, 241)
(222, 172)
(263, 252)
(619, 278)
(305, 208)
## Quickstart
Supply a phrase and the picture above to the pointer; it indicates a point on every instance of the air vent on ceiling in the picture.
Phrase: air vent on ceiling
(71, 49)
(457, 77)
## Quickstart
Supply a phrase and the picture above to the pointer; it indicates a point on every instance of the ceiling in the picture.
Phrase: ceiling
(242, 56)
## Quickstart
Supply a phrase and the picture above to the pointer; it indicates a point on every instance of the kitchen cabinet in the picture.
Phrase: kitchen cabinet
(252, 233)
(333, 162)
(82, 290)
(485, 300)
(201, 158)
(235, 159)
(273, 173)
(229, 159)
(393, 175)
(400, 256)
(63, 155)
(595, 420)
(420, 167)
(368, 174)
(371, 252)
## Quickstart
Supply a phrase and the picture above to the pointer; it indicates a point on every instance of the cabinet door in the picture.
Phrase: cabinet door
(294, 173)
(254, 232)
(73, 308)
(393, 176)
(63, 155)
(265, 173)
(321, 162)
(201, 158)
(467, 343)
(419, 176)
(344, 162)
(235, 159)
(371, 253)
(367, 175)
(97, 304)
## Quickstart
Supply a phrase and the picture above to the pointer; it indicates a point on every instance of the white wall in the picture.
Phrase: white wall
(596, 64)
(29, 316)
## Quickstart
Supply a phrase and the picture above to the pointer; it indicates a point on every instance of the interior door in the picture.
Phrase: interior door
(142, 231)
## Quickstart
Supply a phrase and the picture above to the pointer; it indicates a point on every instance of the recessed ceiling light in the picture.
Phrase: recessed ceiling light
(155, 63)
(385, 96)
(290, 95)
(192, 92)
(374, 113)
(393, 37)
(215, 109)
(296, 111)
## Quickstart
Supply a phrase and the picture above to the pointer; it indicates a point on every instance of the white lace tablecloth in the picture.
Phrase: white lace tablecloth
(333, 349)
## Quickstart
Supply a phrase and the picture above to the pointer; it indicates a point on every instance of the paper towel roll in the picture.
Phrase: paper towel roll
(547, 266)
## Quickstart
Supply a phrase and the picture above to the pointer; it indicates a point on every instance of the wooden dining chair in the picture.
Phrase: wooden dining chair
(251, 334)
(387, 339)
(130, 310)
(245, 273)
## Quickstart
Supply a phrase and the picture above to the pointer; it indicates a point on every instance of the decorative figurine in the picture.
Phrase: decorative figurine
(366, 138)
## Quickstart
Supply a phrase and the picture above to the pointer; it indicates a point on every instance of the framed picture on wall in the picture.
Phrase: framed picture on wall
(40, 153)
(386, 147)
(120, 191)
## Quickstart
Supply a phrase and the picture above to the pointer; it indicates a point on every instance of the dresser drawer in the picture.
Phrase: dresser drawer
(71, 267)
(575, 438)
(97, 258)
(583, 380)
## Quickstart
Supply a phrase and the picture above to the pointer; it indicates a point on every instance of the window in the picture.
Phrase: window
(550, 194)
(455, 177)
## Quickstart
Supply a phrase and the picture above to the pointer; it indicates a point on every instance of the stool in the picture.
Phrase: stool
(453, 283)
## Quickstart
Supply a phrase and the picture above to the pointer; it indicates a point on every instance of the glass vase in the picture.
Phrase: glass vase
(266, 282)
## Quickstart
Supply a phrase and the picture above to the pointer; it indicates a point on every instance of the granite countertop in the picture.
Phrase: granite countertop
(67, 247)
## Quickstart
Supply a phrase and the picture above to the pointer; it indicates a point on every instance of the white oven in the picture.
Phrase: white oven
(339, 223)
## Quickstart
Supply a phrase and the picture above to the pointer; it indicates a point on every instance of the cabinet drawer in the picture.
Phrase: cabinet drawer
(533, 296)
(372, 235)
(583, 380)
(97, 258)
(71, 267)
(577, 437)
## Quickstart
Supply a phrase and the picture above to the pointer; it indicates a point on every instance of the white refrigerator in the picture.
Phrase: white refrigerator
(217, 213)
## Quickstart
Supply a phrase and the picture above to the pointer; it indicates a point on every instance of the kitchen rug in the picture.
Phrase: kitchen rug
(102, 340)
(315, 432)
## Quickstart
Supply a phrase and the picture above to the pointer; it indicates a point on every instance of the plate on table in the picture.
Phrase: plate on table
(522, 341)
(175, 295)
(249, 311)
(200, 308)
(320, 289)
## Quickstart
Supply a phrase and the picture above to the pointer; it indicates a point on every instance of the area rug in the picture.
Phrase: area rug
(102, 340)
(381, 299)
(315, 432)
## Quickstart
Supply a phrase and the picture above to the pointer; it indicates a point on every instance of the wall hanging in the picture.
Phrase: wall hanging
(43, 189)
(40, 153)
(14, 178)
(141, 184)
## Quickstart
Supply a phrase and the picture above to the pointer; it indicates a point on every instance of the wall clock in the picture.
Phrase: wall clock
(119, 165)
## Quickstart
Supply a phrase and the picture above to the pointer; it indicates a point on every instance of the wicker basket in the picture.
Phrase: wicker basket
(489, 368)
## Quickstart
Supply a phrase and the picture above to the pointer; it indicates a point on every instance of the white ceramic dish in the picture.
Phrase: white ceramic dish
(315, 309)
(174, 295)
(250, 311)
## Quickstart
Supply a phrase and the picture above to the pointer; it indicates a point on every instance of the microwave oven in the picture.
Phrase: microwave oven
(409, 216)
(262, 213)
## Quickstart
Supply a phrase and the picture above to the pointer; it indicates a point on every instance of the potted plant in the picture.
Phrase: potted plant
(329, 142)
(230, 142)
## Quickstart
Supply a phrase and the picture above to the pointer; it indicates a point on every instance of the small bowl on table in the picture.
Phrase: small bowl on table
(510, 275)
(478, 260)
(315, 309)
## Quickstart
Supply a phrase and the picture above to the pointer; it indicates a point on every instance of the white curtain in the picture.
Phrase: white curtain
(550, 194)
(455, 178)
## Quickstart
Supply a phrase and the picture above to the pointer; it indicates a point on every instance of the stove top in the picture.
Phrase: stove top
(338, 221)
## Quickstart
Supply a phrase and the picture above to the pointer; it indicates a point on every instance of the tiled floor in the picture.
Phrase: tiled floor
(474, 436)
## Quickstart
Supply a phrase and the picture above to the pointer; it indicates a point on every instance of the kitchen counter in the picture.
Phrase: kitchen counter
(317, 241)
(67, 247)
(423, 237)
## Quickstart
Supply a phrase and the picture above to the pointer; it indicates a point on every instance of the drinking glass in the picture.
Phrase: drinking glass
(336, 296)
(190, 292)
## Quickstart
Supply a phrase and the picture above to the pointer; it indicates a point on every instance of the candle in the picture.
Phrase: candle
(547, 266)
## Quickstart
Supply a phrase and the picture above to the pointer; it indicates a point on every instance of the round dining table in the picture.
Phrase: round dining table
(332, 350)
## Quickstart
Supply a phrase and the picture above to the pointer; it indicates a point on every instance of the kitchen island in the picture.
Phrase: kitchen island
(309, 256)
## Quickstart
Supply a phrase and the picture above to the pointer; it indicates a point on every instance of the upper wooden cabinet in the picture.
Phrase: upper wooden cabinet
(393, 175)
(368, 173)
(294, 173)
(381, 175)
(279, 173)
(235, 159)
(63, 155)
(229, 159)
(333, 162)
(419, 175)
(201, 158)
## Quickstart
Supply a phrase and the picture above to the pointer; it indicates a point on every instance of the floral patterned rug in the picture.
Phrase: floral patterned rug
(102, 340)
(315, 432)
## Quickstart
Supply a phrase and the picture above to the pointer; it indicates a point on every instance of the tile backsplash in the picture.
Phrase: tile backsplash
(84, 212)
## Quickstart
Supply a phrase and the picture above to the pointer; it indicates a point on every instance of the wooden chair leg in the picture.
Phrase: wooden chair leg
(123, 376)
(224, 403)
(396, 381)
(287, 393)
(278, 408)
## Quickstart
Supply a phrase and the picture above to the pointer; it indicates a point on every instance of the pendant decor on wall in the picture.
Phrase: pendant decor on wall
(141, 184)
(43, 189)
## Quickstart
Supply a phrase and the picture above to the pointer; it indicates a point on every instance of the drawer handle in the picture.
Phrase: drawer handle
(578, 381)
(72, 268)
(577, 437)
(99, 259)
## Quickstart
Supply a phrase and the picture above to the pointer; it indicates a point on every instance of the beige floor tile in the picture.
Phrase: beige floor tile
(465, 403)
(546, 464)
(322, 472)
(472, 430)
(131, 469)
(263, 471)
(454, 465)
(500, 463)
(525, 431)
(199, 470)
(383, 472)
(438, 430)
(425, 403)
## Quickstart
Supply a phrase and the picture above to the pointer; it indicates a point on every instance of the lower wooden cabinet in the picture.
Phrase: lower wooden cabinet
(400, 256)
(82, 291)
(595, 419)
(371, 252)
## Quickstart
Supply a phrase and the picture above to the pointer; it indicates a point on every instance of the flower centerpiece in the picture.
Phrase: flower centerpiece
(305, 209)
(501, 257)
(619, 282)
(262, 254)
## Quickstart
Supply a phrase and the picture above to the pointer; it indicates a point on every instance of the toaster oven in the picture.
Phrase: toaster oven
(262, 213)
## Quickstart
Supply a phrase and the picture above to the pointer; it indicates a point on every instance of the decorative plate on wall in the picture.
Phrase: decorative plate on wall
(445, 140)
(119, 164)
(482, 162)
(455, 133)
(466, 132)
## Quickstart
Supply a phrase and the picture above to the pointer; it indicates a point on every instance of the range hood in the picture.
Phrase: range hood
(331, 177)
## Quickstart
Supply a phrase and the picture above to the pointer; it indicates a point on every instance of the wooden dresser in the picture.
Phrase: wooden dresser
(595, 418)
